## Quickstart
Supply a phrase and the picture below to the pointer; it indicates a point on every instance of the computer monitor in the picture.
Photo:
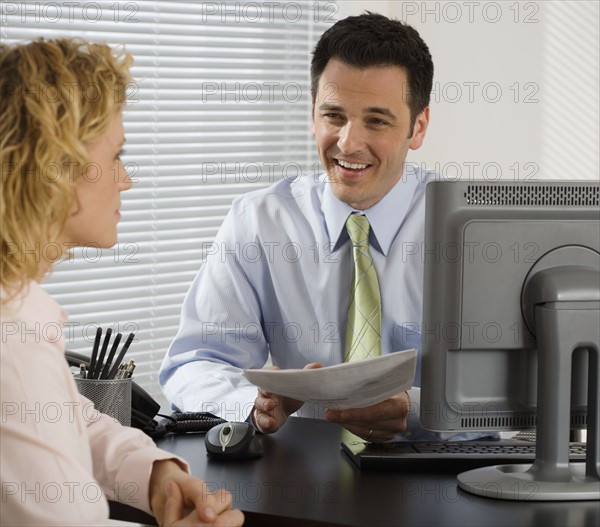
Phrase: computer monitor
(511, 316)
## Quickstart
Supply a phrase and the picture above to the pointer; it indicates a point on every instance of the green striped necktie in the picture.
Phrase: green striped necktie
(363, 328)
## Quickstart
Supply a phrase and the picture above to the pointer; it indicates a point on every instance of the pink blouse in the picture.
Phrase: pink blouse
(60, 460)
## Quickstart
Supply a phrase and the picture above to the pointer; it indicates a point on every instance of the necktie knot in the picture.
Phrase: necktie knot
(358, 228)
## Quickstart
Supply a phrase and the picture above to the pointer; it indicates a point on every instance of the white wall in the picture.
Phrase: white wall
(515, 86)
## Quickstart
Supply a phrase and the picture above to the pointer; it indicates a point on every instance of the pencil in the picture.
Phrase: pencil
(102, 354)
(117, 363)
(95, 353)
(111, 355)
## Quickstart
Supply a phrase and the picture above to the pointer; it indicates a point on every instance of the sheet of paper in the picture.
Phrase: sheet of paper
(347, 385)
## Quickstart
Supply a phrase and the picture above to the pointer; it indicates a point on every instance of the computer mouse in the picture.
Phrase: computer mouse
(233, 440)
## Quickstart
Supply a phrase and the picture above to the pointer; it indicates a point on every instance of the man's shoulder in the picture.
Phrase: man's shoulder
(285, 193)
(423, 177)
(421, 174)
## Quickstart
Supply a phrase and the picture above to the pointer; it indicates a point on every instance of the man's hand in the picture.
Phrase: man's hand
(377, 423)
(271, 411)
(178, 499)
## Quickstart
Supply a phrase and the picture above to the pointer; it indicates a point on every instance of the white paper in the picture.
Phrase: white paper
(348, 385)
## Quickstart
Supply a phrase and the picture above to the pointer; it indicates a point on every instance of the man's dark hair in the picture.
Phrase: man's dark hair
(371, 40)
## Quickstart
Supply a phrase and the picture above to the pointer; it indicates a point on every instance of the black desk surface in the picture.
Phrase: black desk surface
(304, 479)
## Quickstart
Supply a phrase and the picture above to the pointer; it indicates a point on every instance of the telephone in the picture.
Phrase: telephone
(144, 409)
(189, 422)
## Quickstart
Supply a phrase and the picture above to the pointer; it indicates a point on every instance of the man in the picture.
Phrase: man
(278, 281)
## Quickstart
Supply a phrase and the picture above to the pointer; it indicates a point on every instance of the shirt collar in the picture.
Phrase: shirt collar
(385, 217)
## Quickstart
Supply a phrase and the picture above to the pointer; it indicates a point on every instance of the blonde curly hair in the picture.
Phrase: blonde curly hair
(56, 97)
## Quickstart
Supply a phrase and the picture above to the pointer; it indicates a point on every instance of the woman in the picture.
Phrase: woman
(61, 127)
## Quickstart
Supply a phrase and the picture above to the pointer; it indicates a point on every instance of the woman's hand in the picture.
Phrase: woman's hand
(179, 499)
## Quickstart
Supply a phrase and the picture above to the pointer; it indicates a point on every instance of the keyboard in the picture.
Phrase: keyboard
(446, 455)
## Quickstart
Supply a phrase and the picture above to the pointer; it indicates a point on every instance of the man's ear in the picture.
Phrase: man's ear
(312, 115)
(420, 129)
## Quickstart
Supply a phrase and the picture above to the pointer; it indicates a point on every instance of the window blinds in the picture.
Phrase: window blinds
(221, 107)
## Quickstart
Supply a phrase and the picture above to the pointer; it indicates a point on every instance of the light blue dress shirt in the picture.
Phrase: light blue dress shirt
(276, 283)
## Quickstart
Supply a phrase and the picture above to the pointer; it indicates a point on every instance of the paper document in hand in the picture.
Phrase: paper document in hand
(348, 385)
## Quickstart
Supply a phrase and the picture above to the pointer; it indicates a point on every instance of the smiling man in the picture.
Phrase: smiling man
(283, 278)
(364, 130)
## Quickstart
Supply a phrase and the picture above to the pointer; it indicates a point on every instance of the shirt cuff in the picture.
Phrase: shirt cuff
(137, 469)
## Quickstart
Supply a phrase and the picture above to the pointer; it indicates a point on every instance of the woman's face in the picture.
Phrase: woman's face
(94, 220)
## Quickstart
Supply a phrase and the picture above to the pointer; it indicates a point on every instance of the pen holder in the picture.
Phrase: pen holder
(110, 396)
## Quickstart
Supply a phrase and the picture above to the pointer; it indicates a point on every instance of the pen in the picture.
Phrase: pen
(82, 372)
(129, 370)
(111, 355)
(96, 373)
(95, 352)
(119, 360)
(126, 370)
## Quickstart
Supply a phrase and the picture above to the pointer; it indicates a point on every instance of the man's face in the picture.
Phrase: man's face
(361, 123)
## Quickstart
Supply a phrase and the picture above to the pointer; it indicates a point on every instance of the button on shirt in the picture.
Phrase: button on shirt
(275, 284)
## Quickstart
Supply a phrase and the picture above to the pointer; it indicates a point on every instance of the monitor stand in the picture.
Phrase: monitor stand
(562, 326)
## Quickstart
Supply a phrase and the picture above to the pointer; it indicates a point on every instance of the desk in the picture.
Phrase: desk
(304, 479)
